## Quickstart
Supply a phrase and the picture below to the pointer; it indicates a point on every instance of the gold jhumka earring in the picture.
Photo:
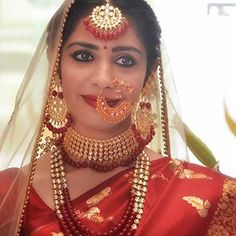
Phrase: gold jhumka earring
(106, 22)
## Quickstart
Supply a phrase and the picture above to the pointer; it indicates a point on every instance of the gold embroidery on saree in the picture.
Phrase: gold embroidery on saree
(177, 168)
(96, 199)
(128, 175)
(201, 206)
(94, 213)
(224, 219)
(161, 176)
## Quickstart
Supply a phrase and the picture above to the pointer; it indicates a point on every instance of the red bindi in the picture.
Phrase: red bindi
(105, 47)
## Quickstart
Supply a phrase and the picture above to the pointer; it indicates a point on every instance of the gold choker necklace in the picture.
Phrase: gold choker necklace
(102, 155)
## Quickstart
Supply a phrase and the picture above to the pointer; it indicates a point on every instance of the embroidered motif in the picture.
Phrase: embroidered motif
(93, 214)
(128, 175)
(57, 234)
(224, 219)
(201, 206)
(96, 199)
(177, 168)
(161, 176)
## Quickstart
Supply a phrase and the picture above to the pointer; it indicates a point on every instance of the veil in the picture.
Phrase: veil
(25, 139)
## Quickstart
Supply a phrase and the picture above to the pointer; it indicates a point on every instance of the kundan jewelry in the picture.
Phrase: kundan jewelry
(142, 117)
(112, 114)
(143, 122)
(57, 118)
(121, 86)
(117, 113)
(106, 22)
(102, 155)
(65, 212)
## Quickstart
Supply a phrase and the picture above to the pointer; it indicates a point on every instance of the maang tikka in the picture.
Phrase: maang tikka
(106, 22)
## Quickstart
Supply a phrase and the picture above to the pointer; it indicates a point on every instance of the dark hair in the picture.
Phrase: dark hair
(138, 11)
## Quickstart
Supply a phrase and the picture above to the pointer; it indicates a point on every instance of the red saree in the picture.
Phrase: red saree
(183, 199)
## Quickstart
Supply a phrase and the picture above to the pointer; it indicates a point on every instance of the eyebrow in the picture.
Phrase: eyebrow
(115, 49)
(127, 48)
(83, 44)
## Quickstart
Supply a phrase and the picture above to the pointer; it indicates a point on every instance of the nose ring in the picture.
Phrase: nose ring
(114, 114)
(120, 86)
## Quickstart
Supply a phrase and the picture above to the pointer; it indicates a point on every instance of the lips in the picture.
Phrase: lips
(92, 101)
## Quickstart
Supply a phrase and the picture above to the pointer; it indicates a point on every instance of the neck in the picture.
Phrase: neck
(105, 132)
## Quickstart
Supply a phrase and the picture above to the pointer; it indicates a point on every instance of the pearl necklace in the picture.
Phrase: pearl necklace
(70, 223)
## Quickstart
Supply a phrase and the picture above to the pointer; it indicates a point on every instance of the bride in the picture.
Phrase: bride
(97, 155)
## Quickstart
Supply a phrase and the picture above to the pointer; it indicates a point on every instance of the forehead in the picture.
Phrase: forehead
(130, 37)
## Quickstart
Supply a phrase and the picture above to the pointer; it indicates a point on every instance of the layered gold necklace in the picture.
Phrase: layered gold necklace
(101, 155)
(71, 224)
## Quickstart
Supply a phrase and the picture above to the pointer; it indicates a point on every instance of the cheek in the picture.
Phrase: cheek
(68, 82)
(69, 75)
(138, 81)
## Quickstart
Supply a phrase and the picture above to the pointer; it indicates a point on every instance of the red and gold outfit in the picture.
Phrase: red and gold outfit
(182, 199)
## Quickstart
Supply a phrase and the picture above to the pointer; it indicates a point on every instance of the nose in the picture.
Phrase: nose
(102, 76)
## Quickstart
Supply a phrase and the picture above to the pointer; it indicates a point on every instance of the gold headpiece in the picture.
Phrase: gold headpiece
(106, 22)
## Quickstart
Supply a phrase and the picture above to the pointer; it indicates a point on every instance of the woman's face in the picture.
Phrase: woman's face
(89, 65)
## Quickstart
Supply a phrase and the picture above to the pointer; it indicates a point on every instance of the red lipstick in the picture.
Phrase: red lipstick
(92, 101)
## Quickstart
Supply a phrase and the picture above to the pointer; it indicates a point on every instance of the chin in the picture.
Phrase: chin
(96, 127)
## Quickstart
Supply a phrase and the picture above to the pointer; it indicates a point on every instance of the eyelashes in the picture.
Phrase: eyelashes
(87, 56)
(126, 61)
(82, 56)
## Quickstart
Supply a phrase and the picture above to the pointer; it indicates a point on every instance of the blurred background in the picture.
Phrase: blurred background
(200, 37)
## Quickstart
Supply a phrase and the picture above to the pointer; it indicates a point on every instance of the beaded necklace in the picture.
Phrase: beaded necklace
(70, 223)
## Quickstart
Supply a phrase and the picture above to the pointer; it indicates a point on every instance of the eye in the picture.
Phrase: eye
(126, 61)
(83, 56)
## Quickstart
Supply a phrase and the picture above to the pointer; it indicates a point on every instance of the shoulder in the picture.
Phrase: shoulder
(202, 193)
(188, 170)
(211, 181)
(213, 191)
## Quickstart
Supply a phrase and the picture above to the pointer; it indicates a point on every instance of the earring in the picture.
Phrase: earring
(57, 118)
(143, 124)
